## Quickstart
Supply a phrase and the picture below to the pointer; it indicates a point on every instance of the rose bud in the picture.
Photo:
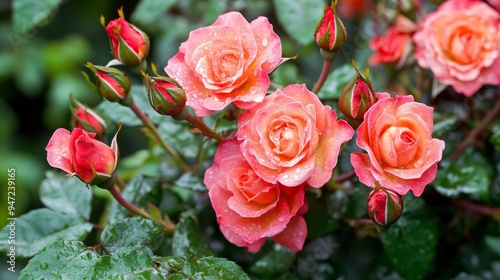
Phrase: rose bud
(79, 154)
(129, 44)
(384, 206)
(330, 32)
(87, 118)
(166, 96)
(112, 84)
(357, 96)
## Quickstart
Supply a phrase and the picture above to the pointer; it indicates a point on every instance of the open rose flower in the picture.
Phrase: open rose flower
(397, 135)
(226, 62)
(460, 44)
(249, 210)
(79, 153)
(394, 46)
(292, 138)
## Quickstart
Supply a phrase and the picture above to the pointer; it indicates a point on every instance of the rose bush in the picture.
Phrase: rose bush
(79, 153)
(401, 153)
(460, 44)
(292, 138)
(249, 209)
(226, 62)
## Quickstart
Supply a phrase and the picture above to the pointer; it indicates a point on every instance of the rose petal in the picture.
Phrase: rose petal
(58, 152)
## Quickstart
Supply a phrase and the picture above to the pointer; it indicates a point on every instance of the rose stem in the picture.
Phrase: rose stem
(482, 209)
(327, 65)
(494, 112)
(344, 177)
(149, 124)
(205, 130)
(169, 226)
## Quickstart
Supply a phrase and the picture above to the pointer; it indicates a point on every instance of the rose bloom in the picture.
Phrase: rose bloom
(395, 44)
(460, 44)
(401, 153)
(292, 138)
(226, 62)
(249, 209)
(79, 153)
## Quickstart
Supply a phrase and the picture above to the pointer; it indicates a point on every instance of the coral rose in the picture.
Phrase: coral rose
(292, 138)
(249, 209)
(395, 44)
(79, 153)
(460, 44)
(226, 62)
(397, 135)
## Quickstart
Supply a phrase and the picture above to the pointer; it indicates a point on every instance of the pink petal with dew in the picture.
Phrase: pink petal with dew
(294, 235)
(58, 152)
(238, 241)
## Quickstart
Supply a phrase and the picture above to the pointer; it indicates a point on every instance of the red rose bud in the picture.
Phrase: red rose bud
(385, 207)
(112, 84)
(357, 96)
(80, 154)
(129, 44)
(87, 118)
(166, 96)
(330, 32)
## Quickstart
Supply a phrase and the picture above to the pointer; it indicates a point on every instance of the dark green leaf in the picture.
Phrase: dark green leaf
(319, 222)
(148, 11)
(30, 14)
(274, 263)
(493, 243)
(299, 18)
(178, 135)
(190, 181)
(66, 195)
(139, 191)
(73, 260)
(188, 241)
(411, 242)
(132, 233)
(336, 81)
(40, 227)
(200, 268)
(468, 176)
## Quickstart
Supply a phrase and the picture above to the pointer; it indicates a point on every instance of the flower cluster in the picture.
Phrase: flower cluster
(287, 142)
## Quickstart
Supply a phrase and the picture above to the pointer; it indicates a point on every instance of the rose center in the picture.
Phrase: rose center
(252, 188)
(398, 146)
(285, 139)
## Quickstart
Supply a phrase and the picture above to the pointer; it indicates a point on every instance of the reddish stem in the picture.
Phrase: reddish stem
(327, 65)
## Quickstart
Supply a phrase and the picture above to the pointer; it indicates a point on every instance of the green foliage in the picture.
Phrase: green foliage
(29, 14)
(411, 242)
(299, 18)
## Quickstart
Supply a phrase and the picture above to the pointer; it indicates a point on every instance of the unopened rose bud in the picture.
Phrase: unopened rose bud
(112, 84)
(384, 206)
(357, 96)
(86, 118)
(330, 32)
(129, 44)
(166, 96)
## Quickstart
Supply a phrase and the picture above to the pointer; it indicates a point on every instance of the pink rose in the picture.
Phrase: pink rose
(397, 135)
(460, 44)
(292, 138)
(395, 44)
(249, 209)
(79, 153)
(226, 62)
